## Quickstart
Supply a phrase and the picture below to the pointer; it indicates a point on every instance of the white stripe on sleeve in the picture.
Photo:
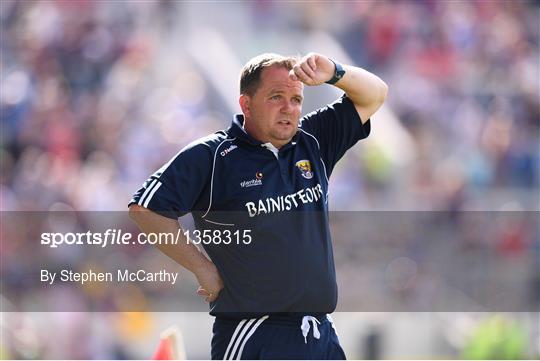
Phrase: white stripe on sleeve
(148, 190)
(151, 195)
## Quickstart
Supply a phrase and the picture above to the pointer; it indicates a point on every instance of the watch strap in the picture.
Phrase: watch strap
(338, 72)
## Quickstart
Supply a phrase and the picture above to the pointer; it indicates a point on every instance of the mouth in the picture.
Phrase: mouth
(284, 122)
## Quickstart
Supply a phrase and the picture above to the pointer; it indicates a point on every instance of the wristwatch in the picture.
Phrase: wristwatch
(338, 73)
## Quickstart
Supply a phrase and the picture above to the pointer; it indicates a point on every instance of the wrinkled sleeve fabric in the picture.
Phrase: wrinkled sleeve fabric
(336, 127)
(175, 188)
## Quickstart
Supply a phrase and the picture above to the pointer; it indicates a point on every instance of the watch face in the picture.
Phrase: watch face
(338, 74)
(339, 71)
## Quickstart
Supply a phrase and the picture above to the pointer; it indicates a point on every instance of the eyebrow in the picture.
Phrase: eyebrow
(277, 91)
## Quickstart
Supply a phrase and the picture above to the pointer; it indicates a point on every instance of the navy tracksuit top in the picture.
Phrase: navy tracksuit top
(230, 181)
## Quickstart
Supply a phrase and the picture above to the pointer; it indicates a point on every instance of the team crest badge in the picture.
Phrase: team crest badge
(305, 167)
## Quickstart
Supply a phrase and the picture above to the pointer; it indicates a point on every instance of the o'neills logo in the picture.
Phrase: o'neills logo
(286, 202)
(228, 150)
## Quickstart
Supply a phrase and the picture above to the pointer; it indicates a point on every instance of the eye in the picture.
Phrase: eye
(275, 97)
(297, 100)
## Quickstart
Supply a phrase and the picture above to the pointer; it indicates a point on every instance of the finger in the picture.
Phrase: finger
(306, 67)
(292, 76)
(312, 62)
(202, 292)
(300, 74)
(211, 297)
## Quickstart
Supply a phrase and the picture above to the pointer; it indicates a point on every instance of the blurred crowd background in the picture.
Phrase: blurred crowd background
(97, 95)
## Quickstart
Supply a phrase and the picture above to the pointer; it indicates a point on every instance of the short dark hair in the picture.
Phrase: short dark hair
(250, 77)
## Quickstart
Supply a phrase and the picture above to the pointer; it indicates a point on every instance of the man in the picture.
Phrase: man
(262, 185)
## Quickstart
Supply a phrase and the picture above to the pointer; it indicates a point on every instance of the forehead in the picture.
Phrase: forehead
(277, 78)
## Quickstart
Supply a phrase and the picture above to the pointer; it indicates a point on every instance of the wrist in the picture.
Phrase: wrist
(201, 265)
(339, 72)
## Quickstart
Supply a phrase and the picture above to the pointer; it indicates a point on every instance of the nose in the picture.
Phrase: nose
(287, 107)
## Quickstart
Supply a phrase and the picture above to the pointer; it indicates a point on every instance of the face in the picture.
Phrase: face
(273, 112)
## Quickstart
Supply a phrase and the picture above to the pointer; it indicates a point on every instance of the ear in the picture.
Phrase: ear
(244, 101)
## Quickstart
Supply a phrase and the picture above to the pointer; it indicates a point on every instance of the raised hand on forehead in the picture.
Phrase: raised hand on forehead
(313, 69)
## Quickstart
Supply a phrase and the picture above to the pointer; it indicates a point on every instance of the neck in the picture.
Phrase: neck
(256, 135)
